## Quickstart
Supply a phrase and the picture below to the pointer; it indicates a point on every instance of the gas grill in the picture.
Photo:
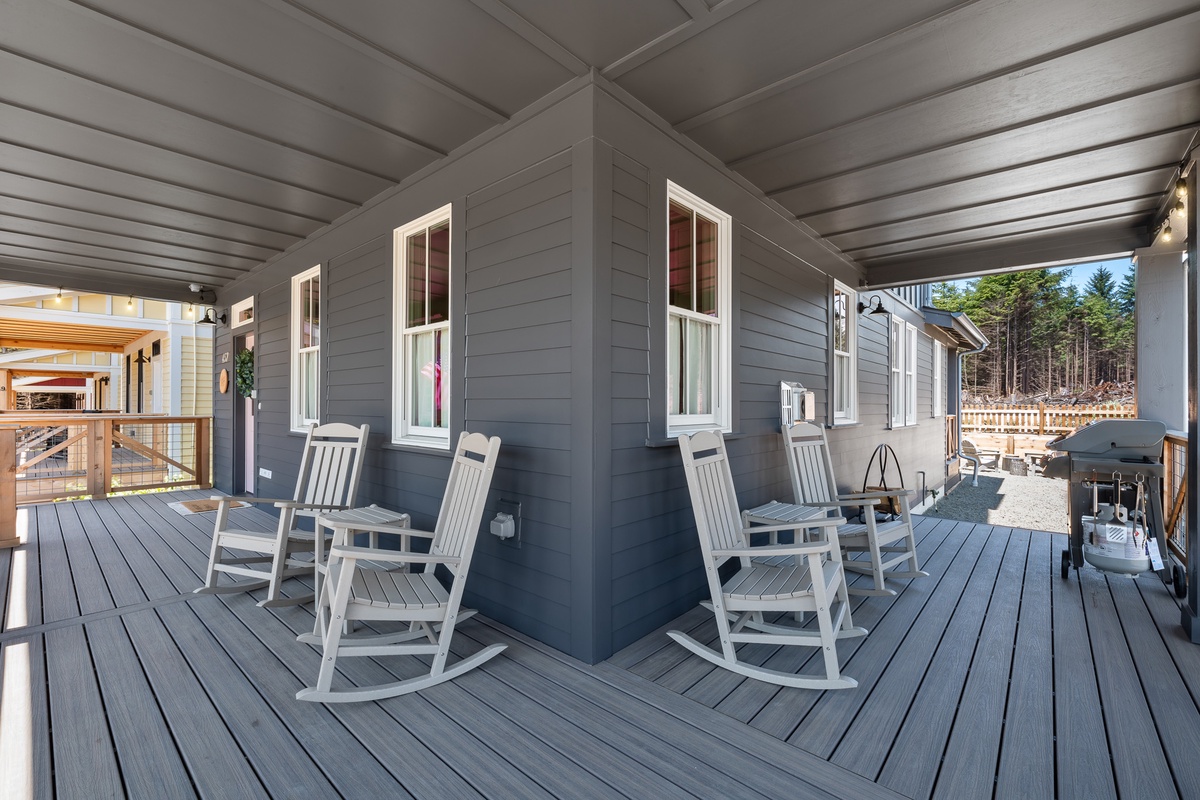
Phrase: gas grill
(1110, 452)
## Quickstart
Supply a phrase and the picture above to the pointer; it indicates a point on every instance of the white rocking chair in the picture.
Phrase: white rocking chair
(328, 480)
(359, 592)
(813, 582)
(814, 487)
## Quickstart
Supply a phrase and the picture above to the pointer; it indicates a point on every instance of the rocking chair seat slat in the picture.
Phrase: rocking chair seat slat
(373, 587)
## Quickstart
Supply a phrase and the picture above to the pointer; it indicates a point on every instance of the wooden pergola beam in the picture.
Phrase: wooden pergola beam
(87, 347)
(55, 373)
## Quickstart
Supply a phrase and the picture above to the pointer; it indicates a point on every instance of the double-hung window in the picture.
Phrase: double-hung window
(699, 314)
(904, 373)
(306, 348)
(845, 346)
(422, 348)
(939, 383)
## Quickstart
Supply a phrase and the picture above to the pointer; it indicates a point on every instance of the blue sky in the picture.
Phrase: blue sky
(1082, 273)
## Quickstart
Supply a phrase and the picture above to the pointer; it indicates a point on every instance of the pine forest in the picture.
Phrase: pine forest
(1049, 340)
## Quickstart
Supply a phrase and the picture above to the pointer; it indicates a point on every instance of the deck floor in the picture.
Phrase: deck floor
(993, 677)
(992, 672)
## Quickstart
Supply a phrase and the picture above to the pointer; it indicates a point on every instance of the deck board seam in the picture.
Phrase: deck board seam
(84, 619)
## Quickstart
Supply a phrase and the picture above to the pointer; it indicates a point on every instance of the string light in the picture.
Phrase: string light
(58, 297)
(191, 309)
(130, 303)
(1181, 188)
(1166, 231)
(1180, 209)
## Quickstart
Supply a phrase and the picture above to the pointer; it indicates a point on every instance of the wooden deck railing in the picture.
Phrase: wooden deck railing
(55, 457)
(1040, 419)
(1174, 488)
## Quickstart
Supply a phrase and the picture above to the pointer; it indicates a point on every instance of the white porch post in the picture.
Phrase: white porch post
(1190, 606)
(1162, 336)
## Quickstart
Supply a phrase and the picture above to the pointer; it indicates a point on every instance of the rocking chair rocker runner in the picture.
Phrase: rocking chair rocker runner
(352, 591)
(814, 487)
(329, 473)
(814, 581)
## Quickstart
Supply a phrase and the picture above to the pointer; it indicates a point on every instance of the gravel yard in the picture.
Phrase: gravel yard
(1016, 501)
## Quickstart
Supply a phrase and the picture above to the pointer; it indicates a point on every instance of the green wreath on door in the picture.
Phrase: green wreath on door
(243, 372)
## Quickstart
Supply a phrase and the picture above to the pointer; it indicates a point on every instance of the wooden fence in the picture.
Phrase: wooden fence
(55, 456)
(1040, 419)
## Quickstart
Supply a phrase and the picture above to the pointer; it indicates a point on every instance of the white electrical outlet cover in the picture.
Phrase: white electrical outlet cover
(264, 473)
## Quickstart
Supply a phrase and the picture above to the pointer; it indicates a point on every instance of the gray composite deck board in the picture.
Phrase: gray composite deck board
(689, 741)
(1081, 747)
(911, 765)
(1164, 688)
(84, 759)
(1139, 770)
(150, 765)
(1027, 756)
(993, 675)
(971, 753)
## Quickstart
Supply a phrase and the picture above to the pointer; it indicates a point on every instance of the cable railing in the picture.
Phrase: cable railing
(46, 457)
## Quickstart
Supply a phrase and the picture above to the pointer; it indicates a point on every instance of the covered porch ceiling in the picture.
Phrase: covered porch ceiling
(148, 145)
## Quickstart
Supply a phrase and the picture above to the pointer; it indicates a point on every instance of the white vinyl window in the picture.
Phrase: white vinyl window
(845, 348)
(306, 348)
(699, 256)
(939, 382)
(422, 368)
(904, 373)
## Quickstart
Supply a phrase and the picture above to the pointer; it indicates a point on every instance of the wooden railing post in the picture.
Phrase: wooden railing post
(99, 458)
(203, 456)
(1041, 419)
(8, 488)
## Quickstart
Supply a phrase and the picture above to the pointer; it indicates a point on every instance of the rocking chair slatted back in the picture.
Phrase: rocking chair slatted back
(331, 465)
(718, 519)
(809, 464)
(466, 492)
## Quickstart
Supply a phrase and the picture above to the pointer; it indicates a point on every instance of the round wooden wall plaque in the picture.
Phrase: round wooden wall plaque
(224, 381)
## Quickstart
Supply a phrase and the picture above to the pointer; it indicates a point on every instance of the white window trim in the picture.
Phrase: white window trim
(851, 414)
(300, 424)
(902, 391)
(402, 431)
(722, 417)
(939, 383)
(910, 375)
(235, 312)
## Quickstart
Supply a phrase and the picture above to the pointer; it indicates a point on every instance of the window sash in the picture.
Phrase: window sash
(306, 349)
(844, 358)
(426, 374)
(910, 375)
(692, 372)
(897, 355)
(422, 337)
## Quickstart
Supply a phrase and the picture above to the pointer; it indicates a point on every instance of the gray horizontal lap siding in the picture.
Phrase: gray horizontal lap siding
(518, 386)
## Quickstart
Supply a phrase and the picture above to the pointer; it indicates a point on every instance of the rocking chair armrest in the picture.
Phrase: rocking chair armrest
(800, 524)
(394, 529)
(257, 500)
(310, 506)
(777, 550)
(878, 495)
(840, 503)
(398, 556)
